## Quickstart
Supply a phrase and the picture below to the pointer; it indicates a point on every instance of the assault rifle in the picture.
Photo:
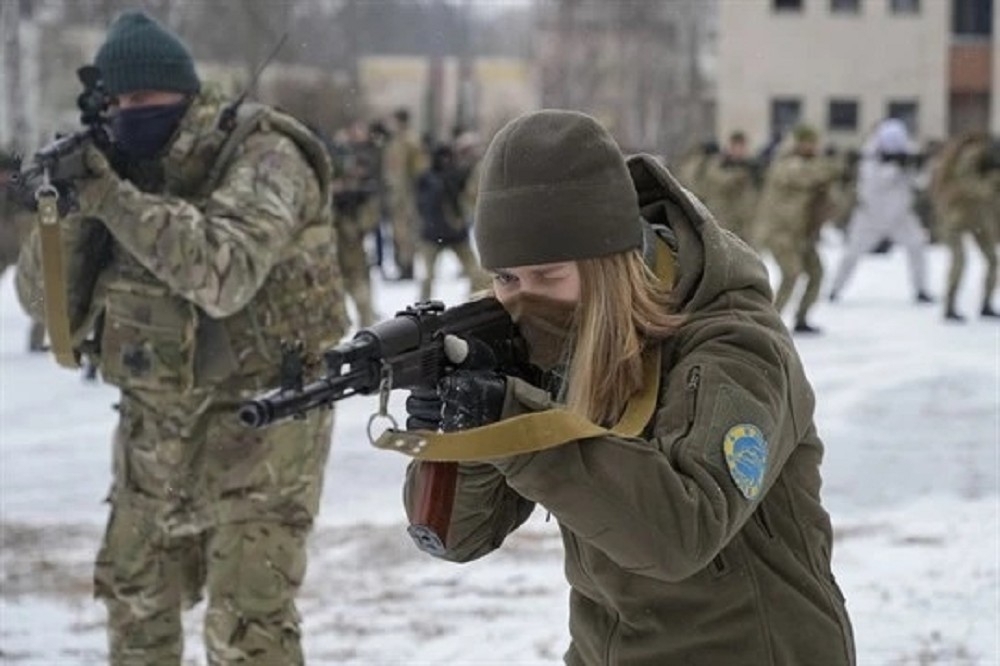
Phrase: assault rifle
(404, 352)
(904, 160)
(52, 162)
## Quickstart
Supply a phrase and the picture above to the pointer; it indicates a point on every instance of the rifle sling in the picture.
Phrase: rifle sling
(54, 282)
(538, 430)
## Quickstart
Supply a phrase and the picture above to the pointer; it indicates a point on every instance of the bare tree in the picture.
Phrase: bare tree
(635, 64)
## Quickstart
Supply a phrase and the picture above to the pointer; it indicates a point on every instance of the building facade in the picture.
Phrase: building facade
(843, 65)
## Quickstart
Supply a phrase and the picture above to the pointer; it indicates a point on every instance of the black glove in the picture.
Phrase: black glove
(471, 396)
(423, 409)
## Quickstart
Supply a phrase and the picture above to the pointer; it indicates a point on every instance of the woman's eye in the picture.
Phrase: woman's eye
(504, 278)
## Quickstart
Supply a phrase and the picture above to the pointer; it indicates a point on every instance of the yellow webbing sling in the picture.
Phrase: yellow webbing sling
(54, 280)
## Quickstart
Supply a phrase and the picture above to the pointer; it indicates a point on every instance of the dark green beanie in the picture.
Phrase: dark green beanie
(554, 187)
(140, 54)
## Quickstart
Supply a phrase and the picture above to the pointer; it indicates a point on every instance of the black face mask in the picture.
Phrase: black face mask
(141, 133)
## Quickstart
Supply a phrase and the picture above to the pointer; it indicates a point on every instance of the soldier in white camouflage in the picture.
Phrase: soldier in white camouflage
(212, 247)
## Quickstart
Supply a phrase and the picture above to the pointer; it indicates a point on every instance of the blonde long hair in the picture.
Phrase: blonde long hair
(624, 308)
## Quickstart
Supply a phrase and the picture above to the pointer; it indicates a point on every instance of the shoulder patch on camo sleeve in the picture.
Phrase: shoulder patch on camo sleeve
(746, 458)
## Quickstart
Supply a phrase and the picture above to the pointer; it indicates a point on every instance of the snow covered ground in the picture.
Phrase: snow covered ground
(909, 408)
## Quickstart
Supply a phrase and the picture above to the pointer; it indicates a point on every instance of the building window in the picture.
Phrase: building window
(845, 6)
(787, 5)
(972, 18)
(904, 6)
(842, 115)
(906, 110)
(786, 112)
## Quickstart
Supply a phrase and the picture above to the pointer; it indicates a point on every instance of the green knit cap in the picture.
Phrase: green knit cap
(554, 187)
(140, 54)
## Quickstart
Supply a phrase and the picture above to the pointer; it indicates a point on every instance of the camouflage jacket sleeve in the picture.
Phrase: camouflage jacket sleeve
(218, 255)
(486, 510)
(28, 279)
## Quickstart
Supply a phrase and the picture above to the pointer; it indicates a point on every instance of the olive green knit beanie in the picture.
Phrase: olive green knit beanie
(140, 54)
(554, 187)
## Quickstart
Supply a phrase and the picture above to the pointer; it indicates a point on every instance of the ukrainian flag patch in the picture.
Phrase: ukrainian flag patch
(746, 458)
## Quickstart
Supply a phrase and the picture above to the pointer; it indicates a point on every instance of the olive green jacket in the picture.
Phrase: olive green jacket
(675, 556)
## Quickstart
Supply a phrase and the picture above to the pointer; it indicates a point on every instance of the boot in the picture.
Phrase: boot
(951, 315)
(989, 312)
(803, 327)
(923, 297)
(405, 274)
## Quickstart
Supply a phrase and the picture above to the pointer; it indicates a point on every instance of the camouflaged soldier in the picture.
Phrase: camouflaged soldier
(356, 207)
(15, 224)
(219, 245)
(730, 187)
(403, 163)
(794, 205)
(965, 189)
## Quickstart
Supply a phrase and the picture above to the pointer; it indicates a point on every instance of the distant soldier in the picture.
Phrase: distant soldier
(965, 189)
(693, 164)
(444, 220)
(730, 187)
(356, 208)
(15, 224)
(402, 164)
(794, 205)
(888, 179)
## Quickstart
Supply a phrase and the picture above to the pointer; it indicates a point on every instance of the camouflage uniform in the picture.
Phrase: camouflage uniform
(200, 276)
(15, 224)
(731, 193)
(403, 163)
(965, 196)
(793, 207)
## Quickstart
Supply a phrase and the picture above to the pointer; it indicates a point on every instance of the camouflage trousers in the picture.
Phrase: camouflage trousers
(795, 260)
(201, 505)
(404, 230)
(984, 233)
(354, 262)
(429, 253)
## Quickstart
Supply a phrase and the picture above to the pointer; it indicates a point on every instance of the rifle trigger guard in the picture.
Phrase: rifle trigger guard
(384, 387)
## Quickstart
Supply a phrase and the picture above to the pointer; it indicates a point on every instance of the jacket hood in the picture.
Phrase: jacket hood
(710, 260)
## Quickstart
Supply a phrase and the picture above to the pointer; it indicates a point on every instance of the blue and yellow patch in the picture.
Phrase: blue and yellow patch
(746, 458)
